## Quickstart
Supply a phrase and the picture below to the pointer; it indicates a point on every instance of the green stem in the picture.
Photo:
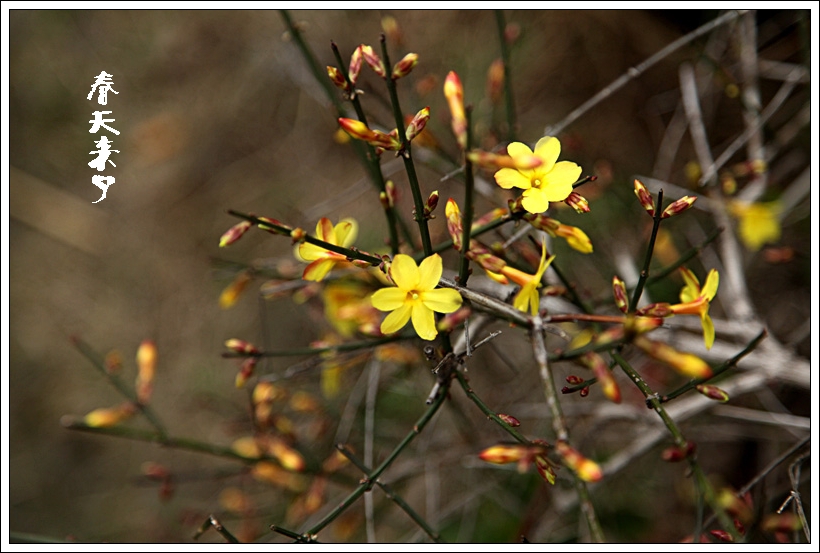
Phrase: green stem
(117, 382)
(367, 482)
(636, 296)
(475, 232)
(680, 441)
(300, 538)
(393, 496)
(212, 522)
(505, 58)
(335, 348)
(407, 156)
(350, 253)
(467, 219)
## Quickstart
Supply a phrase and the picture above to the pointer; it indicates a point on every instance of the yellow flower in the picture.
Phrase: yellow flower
(550, 182)
(759, 223)
(527, 298)
(696, 301)
(323, 260)
(415, 296)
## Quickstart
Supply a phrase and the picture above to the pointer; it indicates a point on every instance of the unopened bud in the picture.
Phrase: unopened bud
(713, 392)
(644, 197)
(678, 206)
(491, 161)
(674, 454)
(374, 61)
(391, 29)
(619, 292)
(337, 78)
(355, 65)
(502, 454)
(146, 366)
(405, 65)
(273, 226)
(685, 363)
(454, 93)
(417, 124)
(660, 309)
(577, 202)
(784, 522)
(231, 293)
(245, 371)
(289, 458)
(574, 379)
(298, 235)
(495, 81)
(113, 362)
(392, 192)
(452, 320)
(545, 468)
(608, 385)
(234, 233)
(107, 417)
(430, 205)
(584, 392)
(241, 346)
(722, 535)
(454, 228)
(586, 469)
(509, 419)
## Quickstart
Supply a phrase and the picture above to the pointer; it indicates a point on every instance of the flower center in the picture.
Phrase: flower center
(536, 183)
(412, 295)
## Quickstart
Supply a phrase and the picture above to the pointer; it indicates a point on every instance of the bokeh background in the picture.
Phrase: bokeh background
(217, 110)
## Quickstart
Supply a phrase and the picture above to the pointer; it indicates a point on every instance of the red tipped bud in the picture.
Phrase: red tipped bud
(337, 78)
(586, 469)
(106, 417)
(405, 65)
(491, 161)
(674, 454)
(374, 61)
(644, 197)
(685, 363)
(545, 468)
(452, 320)
(722, 535)
(453, 214)
(417, 124)
(245, 371)
(234, 233)
(146, 366)
(241, 346)
(784, 522)
(509, 419)
(713, 392)
(454, 93)
(430, 205)
(231, 293)
(678, 206)
(603, 374)
(355, 65)
(659, 309)
(619, 292)
(577, 202)
(273, 226)
(495, 81)
(574, 379)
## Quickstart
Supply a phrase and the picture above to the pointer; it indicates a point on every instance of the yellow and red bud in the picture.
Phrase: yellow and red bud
(644, 197)
(659, 309)
(336, 461)
(241, 346)
(113, 362)
(685, 363)
(735, 506)
(574, 379)
(492, 162)
(267, 471)
(454, 93)
(619, 292)
(430, 205)
(490, 216)
(356, 129)
(404, 66)
(355, 65)
(584, 392)
(577, 202)
(146, 366)
(545, 468)
(713, 392)
(488, 262)
(575, 237)
(391, 29)
(337, 78)
(452, 320)
(454, 228)
(783, 522)
(392, 192)
(417, 124)
(231, 293)
(110, 416)
(245, 371)
(234, 233)
(722, 535)
(374, 61)
(586, 469)
(273, 226)
(298, 235)
(502, 454)
(495, 81)
(678, 206)
(509, 419)
(674, 454)
(289, 458)
(642, 325)
(608, 385)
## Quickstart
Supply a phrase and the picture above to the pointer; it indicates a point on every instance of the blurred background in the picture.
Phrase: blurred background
(217, 110)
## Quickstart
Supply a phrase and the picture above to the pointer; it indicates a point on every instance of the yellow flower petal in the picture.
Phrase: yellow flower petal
(708, 330)
(711, 285)
(430, 272)
(511, 178)
(346, 232)
(405, 272)
(691, 290)
(535, 201)
(548, 149)
(318, 269)
(560, 181)
(388, 299)
(442, 300)
(396, 320)
(424, 322)
(519, 149)
(324, 230)
(311, 252)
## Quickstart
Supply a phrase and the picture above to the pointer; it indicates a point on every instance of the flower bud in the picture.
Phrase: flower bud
(241, 346)
(430, 205)
(454, 93)
(337, 78)
(107, 417)
(784, 522)
(713, 392)
(685, 363)
(404, 66)
(577, 202)
(502, 454)
(392, 192)
(586, 469)
(231, 293)
(454, 228)
(245, 371)
(374, 61)
(451, 320)
(417, 124)
(355, 65)
(660, 309)
(113, 362)
(495, 81)
(492, 162)
(146, 365)
(608, 385)
(619, 292)
(644, 197)
(391, 29)
(289, 458)
(273, 226)
(509, 419)
(575, 237)
(298, 235)
(722, 535)
(674, 454)
(678, 206)
(234, 233)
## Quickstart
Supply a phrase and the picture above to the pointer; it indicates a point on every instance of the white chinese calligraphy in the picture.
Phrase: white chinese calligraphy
(102, 85)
